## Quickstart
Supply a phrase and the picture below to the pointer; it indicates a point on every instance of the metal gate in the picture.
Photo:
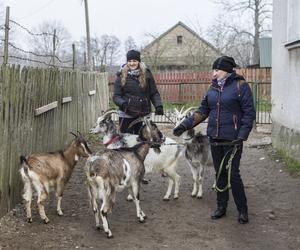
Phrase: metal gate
(262, 101)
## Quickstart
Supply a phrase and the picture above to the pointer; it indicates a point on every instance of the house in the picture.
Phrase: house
(286, 77)
(179, 48)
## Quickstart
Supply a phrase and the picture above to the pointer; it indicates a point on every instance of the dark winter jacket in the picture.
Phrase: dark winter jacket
(133, 93)
(230, 110)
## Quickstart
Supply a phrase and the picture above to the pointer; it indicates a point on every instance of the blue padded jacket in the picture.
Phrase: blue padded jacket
(230, 109)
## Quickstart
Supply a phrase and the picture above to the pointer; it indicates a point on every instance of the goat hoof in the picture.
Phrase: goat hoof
(199, 197)
(175, 197)
(166, 199)
(60, 213)
(29, 220)
(46, 221)
(142, 220)
(145, 181)
(109, 235)
(98, 228)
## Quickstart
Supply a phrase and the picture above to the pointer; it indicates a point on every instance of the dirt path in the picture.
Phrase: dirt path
(274, 212)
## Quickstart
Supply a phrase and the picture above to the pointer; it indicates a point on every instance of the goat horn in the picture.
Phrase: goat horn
(79, 133)
(73, 134)
(141, 119)
(189, 109)
(109, 111)
(181, 110)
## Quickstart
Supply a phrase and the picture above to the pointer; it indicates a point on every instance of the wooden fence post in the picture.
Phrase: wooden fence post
(74, 56)
(6, 36)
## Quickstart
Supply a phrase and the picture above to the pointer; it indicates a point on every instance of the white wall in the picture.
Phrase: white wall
(286, 75)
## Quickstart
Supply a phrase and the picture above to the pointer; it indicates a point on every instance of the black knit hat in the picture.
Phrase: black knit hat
(225, 63)
(133, 55)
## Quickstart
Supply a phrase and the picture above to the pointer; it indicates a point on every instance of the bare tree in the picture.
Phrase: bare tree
(245, 20)
(129, 44)
(104, 50)
(54, 40)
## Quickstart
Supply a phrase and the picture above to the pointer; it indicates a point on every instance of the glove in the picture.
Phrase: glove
(159, 110)
(179, 130)
(124, 106)
(237, 141)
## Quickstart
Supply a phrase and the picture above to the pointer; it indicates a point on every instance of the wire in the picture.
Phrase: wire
(37, 10)
(32, 60)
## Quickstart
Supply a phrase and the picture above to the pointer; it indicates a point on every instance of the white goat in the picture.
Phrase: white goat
(110, 171)
(197, 152)
(50, 169)
(164, 162)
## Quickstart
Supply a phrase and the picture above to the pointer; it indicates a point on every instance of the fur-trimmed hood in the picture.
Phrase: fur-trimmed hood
(125, 67)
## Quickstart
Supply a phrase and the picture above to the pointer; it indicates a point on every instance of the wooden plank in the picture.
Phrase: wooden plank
(66, 99)
(45, 108)
(92, 92)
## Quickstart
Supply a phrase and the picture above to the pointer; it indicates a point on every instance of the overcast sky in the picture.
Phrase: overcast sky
(121, 18)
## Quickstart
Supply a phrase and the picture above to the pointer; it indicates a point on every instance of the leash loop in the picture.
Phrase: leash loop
(228, 167)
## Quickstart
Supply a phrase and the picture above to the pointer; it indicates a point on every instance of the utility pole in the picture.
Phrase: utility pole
(88, 39)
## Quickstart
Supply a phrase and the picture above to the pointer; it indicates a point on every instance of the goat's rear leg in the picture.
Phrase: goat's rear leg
(169, 190)
(103, 213)
(173, 178)
(92, 191)
(136, 197)
(28, 197)
(41, 200)
(42, 191)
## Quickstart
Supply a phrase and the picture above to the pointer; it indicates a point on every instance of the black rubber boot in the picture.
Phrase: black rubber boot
(243, 218)
(219, 213)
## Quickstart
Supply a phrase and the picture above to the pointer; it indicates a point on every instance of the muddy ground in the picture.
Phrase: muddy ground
(274, 213)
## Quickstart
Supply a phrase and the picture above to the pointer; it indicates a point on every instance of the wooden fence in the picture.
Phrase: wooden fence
(187, 87)
(38, 109)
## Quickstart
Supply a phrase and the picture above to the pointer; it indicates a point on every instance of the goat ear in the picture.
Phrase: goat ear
(73, 134)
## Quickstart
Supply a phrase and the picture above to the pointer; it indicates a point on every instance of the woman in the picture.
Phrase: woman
(134, 91)
(228, 104)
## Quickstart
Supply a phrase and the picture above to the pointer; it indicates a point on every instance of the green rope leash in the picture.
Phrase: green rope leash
(229, 165)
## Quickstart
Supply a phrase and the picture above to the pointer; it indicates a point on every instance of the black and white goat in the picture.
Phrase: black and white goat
(110, 171)
(165, 161)
(46, 170)
(197, 152)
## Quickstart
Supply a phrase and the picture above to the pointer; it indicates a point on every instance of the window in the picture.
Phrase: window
(179, 40)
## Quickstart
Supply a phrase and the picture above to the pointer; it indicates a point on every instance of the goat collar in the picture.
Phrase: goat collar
(112, 140)
(188, 139)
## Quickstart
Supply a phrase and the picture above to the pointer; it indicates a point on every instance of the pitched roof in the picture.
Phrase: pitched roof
(187, 28)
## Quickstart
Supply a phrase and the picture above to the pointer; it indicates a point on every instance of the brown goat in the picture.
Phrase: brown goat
(46, 170)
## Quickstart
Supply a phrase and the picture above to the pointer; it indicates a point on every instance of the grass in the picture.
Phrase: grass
(93, 139)
(264, 106)
(292, 164)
